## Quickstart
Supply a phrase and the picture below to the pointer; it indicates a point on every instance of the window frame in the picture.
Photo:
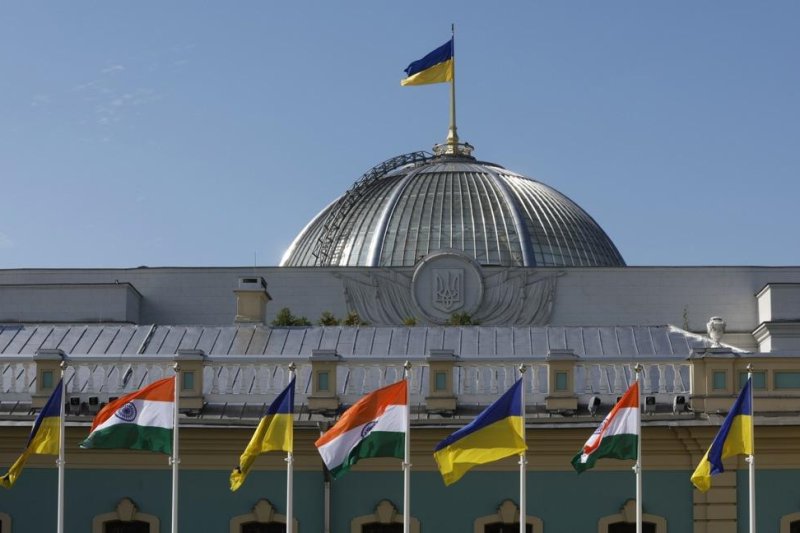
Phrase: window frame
(507, 513)
(786, 521)
(263, 512)
(126, 511)
(627, 513)
(385, 513)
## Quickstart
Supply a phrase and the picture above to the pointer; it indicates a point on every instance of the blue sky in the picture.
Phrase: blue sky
(208, 133)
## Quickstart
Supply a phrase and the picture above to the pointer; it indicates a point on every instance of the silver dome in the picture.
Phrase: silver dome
(412, 205)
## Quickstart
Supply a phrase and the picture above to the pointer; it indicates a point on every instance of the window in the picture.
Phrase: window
(119, 526)
(719, 380)
(628, 527)
(787, 380)
(794, 527)
(262, 519)
(561, 381)
(440, 382)
(126, 518)
(506, 520)
(5, 523)
(499, 527)
(322, 381)
(385, 519)
(759, 380)
(382, 528)
(188, 381)
(47, 380)
(261, 527)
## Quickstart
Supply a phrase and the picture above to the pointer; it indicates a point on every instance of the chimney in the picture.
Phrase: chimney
(251, 301)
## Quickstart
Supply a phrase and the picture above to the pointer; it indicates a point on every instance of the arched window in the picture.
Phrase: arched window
(262, 519)
(385, 519)
(625, 521)
(125, 519)
(506, 520)
(790, 523)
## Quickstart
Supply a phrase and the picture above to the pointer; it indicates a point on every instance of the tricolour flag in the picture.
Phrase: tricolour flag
(44, 438)
(142, 420)
(617, 437)
(735, 437)
(275, 432)
(375, 426)
(496, 433)
(436, 67)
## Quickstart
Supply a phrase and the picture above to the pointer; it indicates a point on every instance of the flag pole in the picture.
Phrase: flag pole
(751, 460)
(290, 472)
(61, 461)
(174, 459)
(407, 454)
(638, 466)
(452, 135)
(523, 458)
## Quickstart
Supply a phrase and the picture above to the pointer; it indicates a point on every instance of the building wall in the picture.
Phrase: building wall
(96, 480)
(683, 296)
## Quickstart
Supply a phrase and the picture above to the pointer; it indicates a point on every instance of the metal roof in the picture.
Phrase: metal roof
(491, 214)
(369, 341)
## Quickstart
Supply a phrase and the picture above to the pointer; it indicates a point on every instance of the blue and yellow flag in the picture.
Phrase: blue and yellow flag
(45, 437)
(436, 67)
(735, 437)
(496, 433)
(274, 432)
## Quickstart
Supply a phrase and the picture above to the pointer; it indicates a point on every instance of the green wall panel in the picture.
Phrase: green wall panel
(207, 503)
(777, 494)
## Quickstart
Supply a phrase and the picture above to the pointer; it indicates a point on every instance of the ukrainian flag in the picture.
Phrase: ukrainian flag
(274, 432)
(735, 437)
(495, 434)
(436, 67)
(45, 437)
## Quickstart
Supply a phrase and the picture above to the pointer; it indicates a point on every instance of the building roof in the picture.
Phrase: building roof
(613, 342)
(410, 206)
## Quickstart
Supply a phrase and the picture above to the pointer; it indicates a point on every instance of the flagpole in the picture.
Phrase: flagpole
(407, 454)
(523, 458)
(61, 461)
(290, 472)
(174, 458)
(751, 460)
(452, 135)
(638, 466)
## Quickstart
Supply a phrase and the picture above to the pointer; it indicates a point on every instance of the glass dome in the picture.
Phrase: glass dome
(416, 204)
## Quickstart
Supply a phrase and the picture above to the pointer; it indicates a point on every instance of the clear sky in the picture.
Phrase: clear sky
(189, 133)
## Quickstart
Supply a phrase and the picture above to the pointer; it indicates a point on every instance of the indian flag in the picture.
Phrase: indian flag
(375, 426)
(142, 420)
(618, 435)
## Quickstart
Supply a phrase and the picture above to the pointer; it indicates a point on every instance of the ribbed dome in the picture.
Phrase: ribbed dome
(416, 204)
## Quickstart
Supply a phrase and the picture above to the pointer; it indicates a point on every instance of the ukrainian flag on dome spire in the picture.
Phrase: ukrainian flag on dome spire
(436, 67)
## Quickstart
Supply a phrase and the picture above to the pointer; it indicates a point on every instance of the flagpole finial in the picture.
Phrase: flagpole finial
(750, 367)
(638, 368)
(292, 367)
(522, 368)
(176, 367)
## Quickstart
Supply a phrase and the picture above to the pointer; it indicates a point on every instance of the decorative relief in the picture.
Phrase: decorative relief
(445, 283)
